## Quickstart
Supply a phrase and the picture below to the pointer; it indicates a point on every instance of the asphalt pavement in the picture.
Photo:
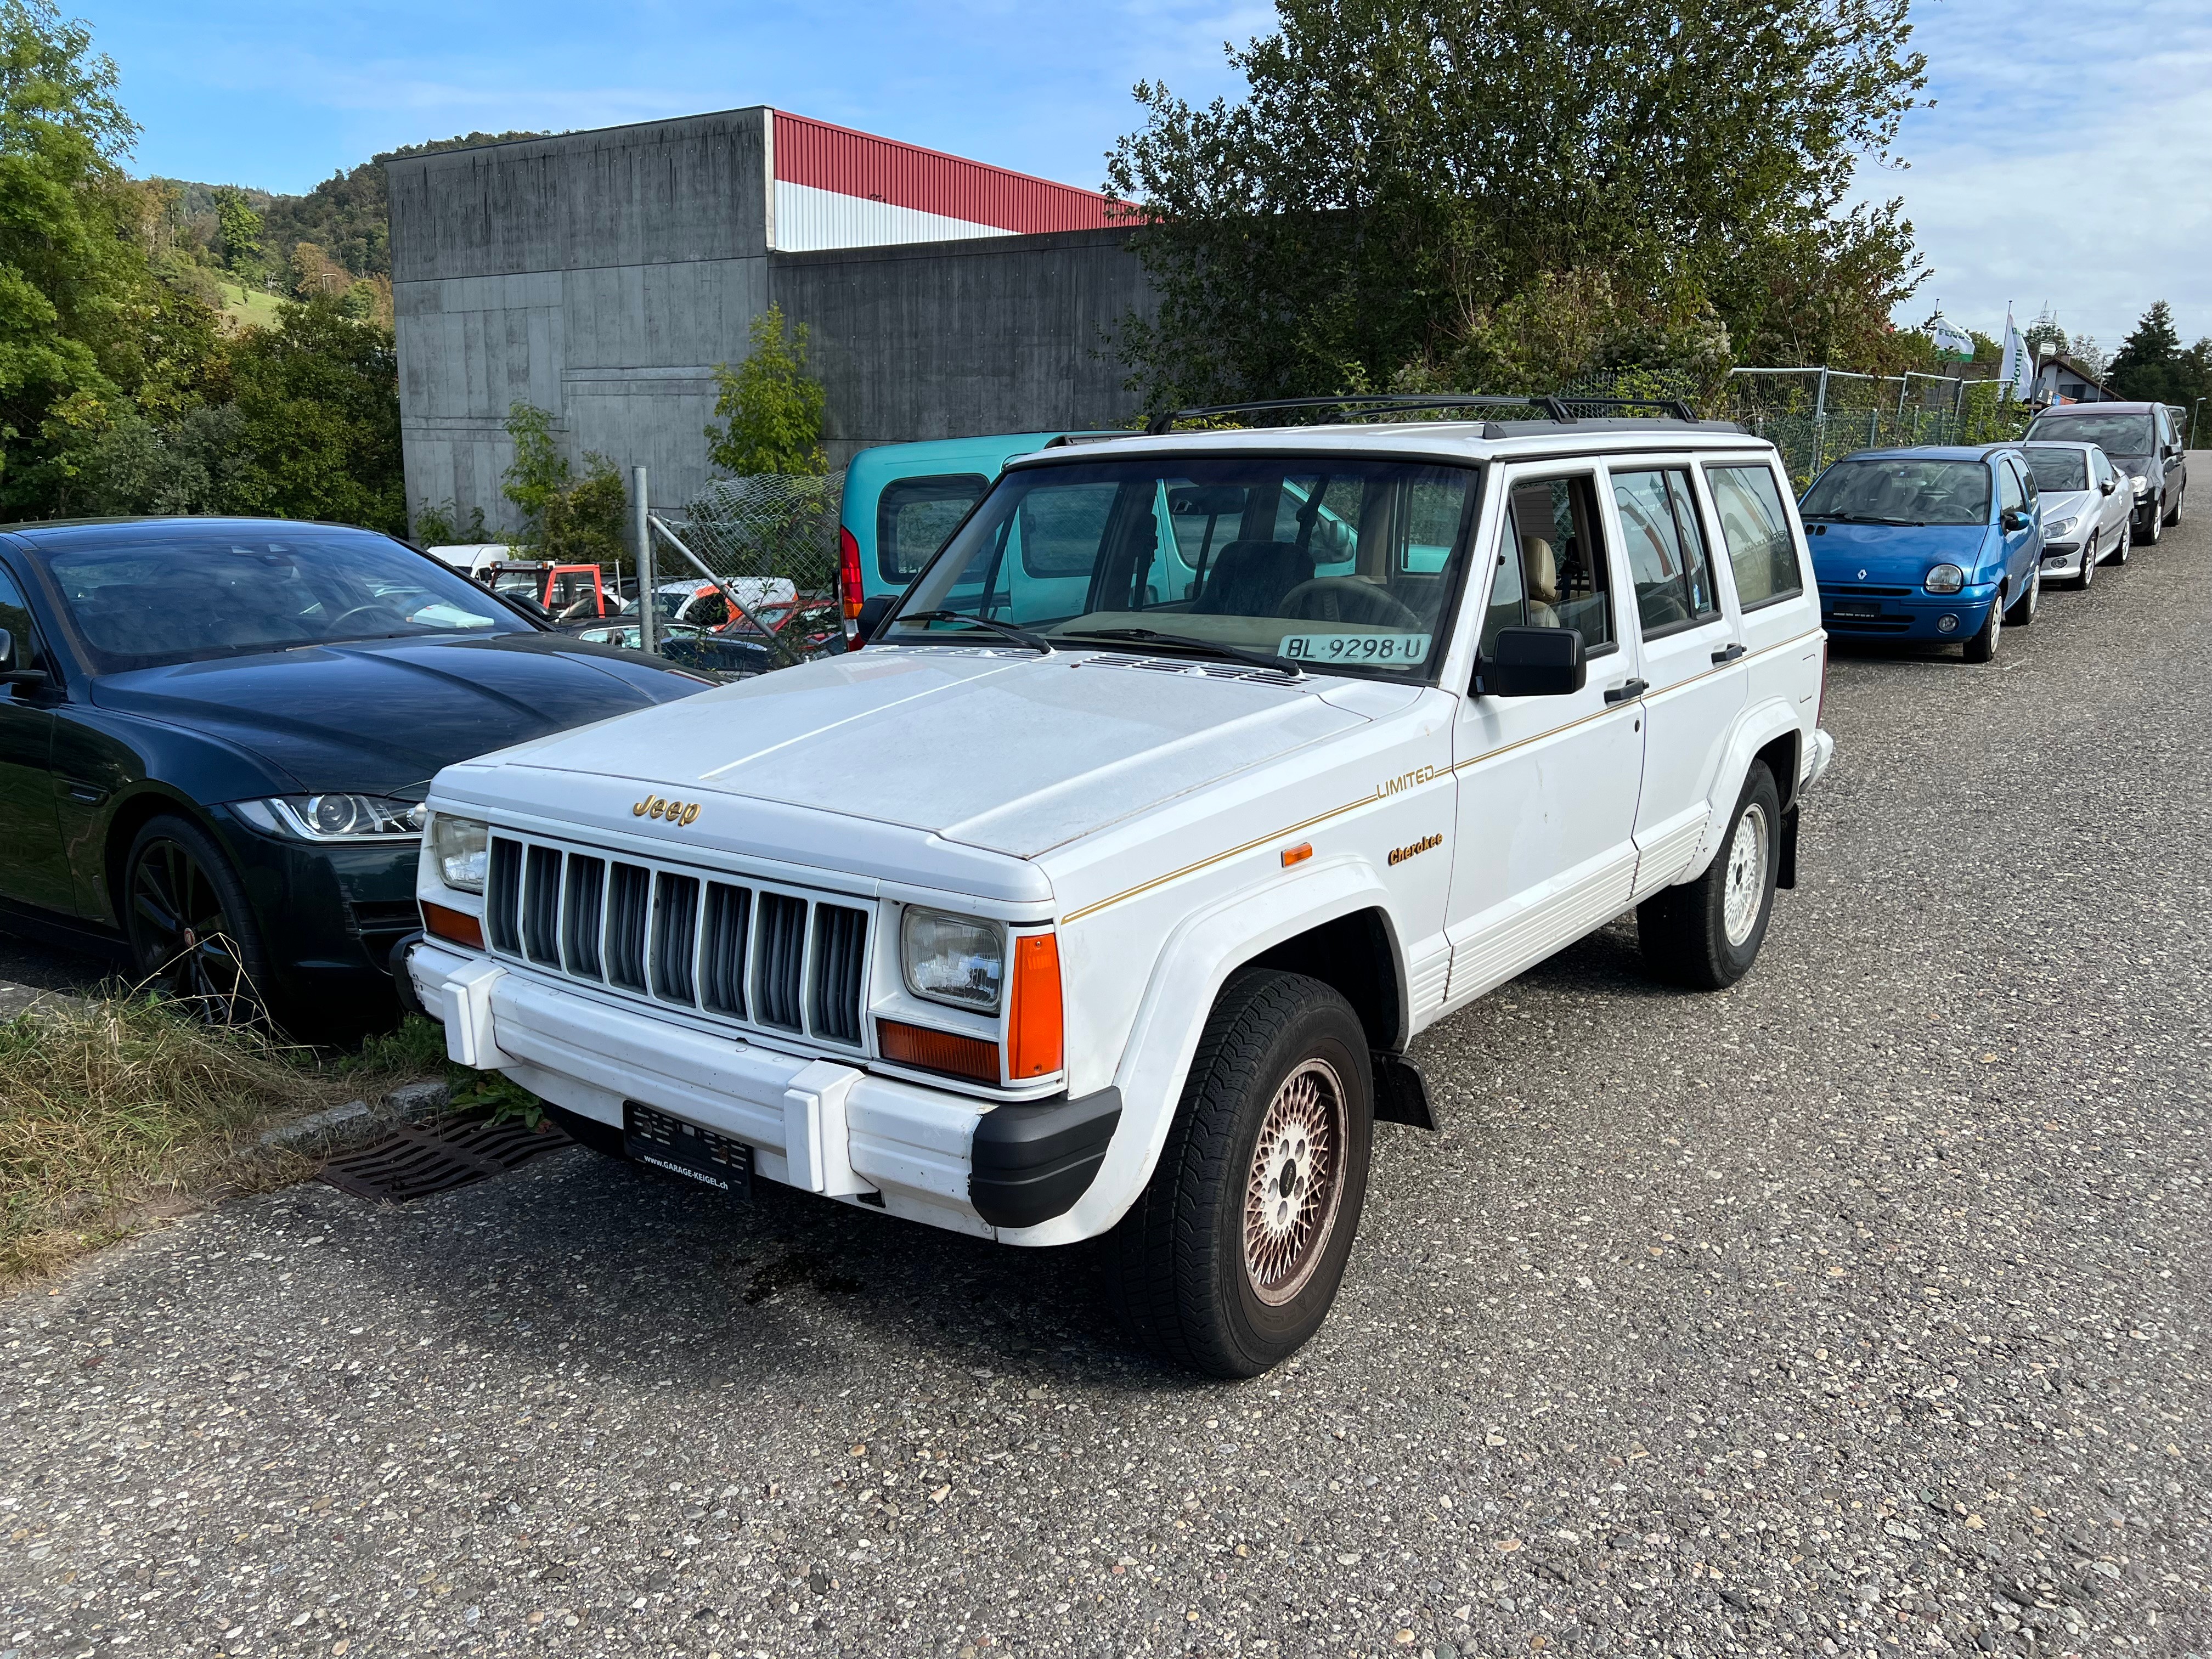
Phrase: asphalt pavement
(1860, 1310)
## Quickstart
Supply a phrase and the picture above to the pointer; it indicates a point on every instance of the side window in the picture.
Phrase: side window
(914, 515)
(1761, 551)
(1666, 549)
(2009, 493)
(2027, 477)
(2100, 468)
(1062, 526)
(1551, 564)
(15, 618)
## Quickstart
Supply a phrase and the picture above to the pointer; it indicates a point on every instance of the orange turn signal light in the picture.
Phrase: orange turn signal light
(1035, 1039)
(1297, 854)
(456, 925)
(938, 1051)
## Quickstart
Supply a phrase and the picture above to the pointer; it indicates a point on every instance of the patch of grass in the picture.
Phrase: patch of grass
(417, 1049)
(109, 1107)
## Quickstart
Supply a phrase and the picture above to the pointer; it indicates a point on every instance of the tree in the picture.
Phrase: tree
(2150, 363)
(318, 398)
(240, 230)
(773, 406)
(1493, 190)
(567, 519)
(2042, 331)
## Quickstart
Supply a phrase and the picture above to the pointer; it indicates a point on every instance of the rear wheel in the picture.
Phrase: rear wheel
(192, 934)
(2023, 611)
(1983, 647)
(1232, 1257)
(1706, 933)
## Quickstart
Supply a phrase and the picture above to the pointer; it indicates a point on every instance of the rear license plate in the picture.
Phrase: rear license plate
(686, 1149)
(1857, 608)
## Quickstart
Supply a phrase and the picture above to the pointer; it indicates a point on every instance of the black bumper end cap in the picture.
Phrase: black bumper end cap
(1027, 1163)
(1402, 1093)
(402, 981)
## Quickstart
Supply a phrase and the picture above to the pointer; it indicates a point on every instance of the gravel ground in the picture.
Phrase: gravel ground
(1860, 1308)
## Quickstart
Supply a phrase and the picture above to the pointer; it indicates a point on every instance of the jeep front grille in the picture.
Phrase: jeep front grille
(743, 951)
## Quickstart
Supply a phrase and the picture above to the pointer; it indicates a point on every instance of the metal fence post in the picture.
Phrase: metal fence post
(648, 609)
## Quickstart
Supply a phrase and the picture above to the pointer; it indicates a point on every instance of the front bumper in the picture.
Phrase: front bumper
(1914, 615)
(945, 1160)
(329, 916)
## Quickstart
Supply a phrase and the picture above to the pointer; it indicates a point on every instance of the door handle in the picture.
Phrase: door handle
(1626, 693)
(1728, 655)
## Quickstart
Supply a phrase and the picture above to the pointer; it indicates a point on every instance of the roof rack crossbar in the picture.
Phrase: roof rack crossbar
(1560, 406)
(1386, 400)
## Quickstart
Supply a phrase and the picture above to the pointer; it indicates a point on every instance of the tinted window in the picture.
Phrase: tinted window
(2116, 435)
(1552, 569)
(914, 515)
(2009, 493)
(179, 595)
(1666, 549)
(2059, 469)
(1338, 569)
(1902, 490)
(1762, 553)
(15, 618)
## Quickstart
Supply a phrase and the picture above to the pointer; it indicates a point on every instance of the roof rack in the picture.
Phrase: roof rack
(1558, 407)
(1388, 400)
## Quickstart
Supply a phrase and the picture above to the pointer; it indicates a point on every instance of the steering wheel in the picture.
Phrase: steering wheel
(345, 617)
(1346, 599)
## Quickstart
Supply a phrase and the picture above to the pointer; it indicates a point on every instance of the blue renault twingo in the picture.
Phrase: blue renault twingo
(1936, 545)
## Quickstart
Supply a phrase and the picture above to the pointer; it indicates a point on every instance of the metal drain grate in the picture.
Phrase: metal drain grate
(453, 1152)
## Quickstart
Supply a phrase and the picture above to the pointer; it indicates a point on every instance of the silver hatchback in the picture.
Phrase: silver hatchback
(2086, 510)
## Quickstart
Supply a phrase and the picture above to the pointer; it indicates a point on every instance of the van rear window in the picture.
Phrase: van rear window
(914, 515)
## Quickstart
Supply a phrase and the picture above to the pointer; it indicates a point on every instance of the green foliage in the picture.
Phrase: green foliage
(2042, 331)
(239, 228)
(2152, 364)
(319, 401)
(1500, 196)
(347, 214)
(773, 406)
(565, 518)
(443, 524)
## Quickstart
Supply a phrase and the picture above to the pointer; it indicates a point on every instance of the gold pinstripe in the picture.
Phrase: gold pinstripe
(1259, 841)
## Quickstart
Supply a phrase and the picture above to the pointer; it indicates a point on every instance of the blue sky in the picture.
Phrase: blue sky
(2066, 161)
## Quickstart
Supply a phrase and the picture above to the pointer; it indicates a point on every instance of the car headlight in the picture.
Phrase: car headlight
(960, 960)
(462, 847)
(2140, 483)
(1946, 579)
(2059, 527)
(334, 816)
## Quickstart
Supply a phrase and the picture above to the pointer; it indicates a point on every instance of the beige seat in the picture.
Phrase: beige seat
(1540, 577)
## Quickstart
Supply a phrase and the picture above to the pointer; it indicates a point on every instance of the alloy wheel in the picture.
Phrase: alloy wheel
(1746, 882)
(1296, 1183)
(186, 942)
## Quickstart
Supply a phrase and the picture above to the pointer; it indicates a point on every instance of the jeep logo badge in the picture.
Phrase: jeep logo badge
(668, 812)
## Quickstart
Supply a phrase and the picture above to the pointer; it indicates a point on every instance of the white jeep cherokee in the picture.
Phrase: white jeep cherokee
(1193, 778)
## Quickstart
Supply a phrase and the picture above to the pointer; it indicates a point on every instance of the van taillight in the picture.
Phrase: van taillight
(848, 573)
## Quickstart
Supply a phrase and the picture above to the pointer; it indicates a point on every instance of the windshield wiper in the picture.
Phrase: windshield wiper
(1869, 518)
(1018, 636)
(1206, 648)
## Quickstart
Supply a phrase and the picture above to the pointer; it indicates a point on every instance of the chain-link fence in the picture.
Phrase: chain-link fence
(1815, 415)
(747, 575)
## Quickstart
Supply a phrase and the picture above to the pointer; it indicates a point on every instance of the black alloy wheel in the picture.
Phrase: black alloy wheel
(192, 935)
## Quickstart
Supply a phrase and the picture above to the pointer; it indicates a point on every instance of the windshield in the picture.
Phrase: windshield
(1345, 564)
(2116, 434)
(185, 593)
(2059, 469)
(1901, 490)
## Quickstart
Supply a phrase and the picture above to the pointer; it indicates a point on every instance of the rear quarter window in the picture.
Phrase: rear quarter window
(1762, 553)
(914, 517)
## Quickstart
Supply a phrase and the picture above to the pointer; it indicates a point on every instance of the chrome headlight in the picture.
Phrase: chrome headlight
(959, 960)
(2059, 527)
(334, 816)
(2142, 484)
(462, 850)
(1946, 579)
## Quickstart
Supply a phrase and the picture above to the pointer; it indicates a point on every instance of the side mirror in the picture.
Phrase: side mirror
(2012, 519)
(1533, 662)
(11, 672)
(873, 610)
(2108, 486)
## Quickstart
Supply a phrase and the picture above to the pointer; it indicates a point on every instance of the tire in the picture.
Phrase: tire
(2089, 559)
(2023, 612)
(2119, 555)
(1983, 647)
(2173, 513)
(1212, 1269)
(1705, 933)
(192, 932)
(2154, 527)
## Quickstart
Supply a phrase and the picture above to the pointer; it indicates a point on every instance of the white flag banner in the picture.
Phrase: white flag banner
(2008, 371)
(1951, 340)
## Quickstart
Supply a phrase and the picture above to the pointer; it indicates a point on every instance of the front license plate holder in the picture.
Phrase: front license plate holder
(1857, 608)
(687, 1151)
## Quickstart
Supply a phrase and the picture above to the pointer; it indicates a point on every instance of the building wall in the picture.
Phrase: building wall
(601, 276)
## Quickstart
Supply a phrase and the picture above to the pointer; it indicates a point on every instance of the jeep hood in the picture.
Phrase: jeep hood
(1004, 750)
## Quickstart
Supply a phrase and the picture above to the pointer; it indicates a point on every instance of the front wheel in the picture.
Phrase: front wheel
(1706, 933)
(1983, 647)
(1232, 1258)
(2119, 555)
(2154, 527)
(192, 934)
(2023, 612)
(2173, 513)
(2089, 557)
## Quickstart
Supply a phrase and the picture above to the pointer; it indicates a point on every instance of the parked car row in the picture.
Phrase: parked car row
(1940, 546)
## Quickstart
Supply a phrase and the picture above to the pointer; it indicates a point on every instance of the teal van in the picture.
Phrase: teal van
(902, 501)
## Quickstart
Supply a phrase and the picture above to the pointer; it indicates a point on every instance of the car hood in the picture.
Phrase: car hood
(1003, 750)
(1845, 554)
(2069, 503)
(385, 715)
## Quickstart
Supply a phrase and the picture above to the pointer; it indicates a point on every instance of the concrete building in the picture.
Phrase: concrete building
(601, 276)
